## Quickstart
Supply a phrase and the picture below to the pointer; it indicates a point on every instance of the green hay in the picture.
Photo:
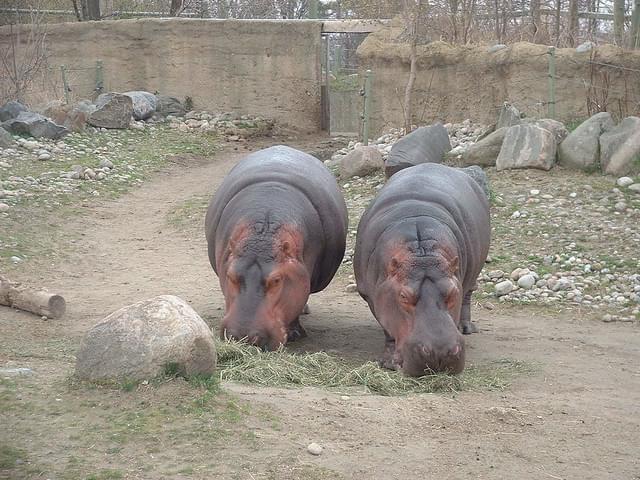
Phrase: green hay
(244, 363)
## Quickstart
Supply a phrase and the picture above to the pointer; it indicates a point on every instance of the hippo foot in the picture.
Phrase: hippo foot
(295, 332)
(306, 310)
(469, 327)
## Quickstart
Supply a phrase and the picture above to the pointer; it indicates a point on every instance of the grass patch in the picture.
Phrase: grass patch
(247, 364)
(106, 474)
(190, 212)
(9, 456)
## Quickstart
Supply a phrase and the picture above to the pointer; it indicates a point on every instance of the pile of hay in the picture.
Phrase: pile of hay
(244, 363)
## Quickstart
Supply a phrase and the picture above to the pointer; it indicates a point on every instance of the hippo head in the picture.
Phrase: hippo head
(265, 284)
(418, 301)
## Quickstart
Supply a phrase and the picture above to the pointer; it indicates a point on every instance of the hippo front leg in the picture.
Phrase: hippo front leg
(389, 358)
(468, 327)
(295, 331)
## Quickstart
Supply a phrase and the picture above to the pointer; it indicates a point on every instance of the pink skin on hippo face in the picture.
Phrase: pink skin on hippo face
(418, 304)
(265, 285)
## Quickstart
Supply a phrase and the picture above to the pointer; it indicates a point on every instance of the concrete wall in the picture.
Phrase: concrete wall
(270, 68)
(458, 82)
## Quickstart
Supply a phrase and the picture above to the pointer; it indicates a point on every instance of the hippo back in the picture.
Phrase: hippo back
(442, 193)
(297, 171)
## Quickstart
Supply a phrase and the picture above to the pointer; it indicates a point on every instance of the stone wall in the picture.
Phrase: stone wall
(269, 68)
(458, 82)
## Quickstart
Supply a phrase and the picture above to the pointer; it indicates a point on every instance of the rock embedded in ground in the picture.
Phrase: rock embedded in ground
(6, 139)
(143, 340)
(314, 449)
(35, 125)
(361, 162)
(620, 148)
(166, 105)
(423, 145)
(486, 151)
(581, 148)
(527, 146)
(114, 111)
(11, 110)
(503, 288)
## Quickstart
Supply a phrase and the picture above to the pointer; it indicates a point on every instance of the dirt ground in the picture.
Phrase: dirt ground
(577, 415)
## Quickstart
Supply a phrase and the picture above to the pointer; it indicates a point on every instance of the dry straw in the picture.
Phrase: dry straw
(243, 363)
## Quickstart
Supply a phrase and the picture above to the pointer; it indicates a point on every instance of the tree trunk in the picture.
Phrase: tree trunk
(412, 16)
(618, 21)
(536, 21)
(176, 8)
(76, 10)
(35, 301)
(497, 19)
(558, 19)
(93, 9)
(635, 25)
(573, 22)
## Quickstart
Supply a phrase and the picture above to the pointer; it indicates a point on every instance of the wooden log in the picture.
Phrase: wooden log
(39, 302)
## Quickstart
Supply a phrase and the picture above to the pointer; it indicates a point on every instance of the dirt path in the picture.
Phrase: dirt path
(576, 416)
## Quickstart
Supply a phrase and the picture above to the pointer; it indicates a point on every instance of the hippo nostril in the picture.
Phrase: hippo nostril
(455, 351)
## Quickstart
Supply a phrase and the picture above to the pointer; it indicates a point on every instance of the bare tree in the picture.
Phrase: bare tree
(411, 14)
(635, 25)
(573, 22)
(25, 58)
(618, 21)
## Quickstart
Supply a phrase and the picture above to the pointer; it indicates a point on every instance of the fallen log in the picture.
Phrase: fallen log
(40, 302)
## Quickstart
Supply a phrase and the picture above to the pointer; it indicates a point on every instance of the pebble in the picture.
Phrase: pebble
(527, 281)
(635, 188)
(15, 372)
(620, 206)
(314, 449)
(106, 163)
(4, 207)
(44, 156)
(351, 288)
(504, 287)
(101, 176)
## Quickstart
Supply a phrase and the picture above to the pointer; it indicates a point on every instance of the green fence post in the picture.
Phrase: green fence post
(65, 84)
(367, 107)
(551, 106)
(99, 77)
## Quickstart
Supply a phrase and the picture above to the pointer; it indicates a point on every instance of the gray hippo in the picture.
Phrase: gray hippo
(276, 231)
(421, 244)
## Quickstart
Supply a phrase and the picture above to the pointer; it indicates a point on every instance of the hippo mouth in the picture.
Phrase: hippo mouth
(418, 361)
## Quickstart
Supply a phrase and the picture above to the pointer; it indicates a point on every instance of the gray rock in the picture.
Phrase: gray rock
(11, 110)
(6, 140)
(166, 105)
(504, 287)
(362, 161)
(44, 156)
(495, 48)
(4, 207)
(114, 111)
(620, 206)
(73, 118)
(624, 181)
(144, 104)
(101, 176)
(527, 146)
(585, 47)
(106, 163)
(620, 148)
(509, 116)
(635, 188)
(480, 177)
(140, 341)
(485, 152)
(527, 281)
(34, 124)
(314, 449)
(558, 129)
(423, 145)
(15, 372)
(581, 148)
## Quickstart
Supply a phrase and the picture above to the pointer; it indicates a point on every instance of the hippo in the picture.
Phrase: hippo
(276, 232)
(420, 246)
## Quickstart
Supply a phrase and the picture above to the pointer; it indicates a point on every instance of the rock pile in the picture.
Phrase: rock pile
(235, 127)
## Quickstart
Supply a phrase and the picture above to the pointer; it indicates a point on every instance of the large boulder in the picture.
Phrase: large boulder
(143, 340)
(144, 104)
(509, 116)
(527, 146)
(620, 148)
(581, 149)
(72, 117)
(113, 111)
(361, 161)
(6, 140)
(423, 145)
(558, 129)
(479, 176)
(485, 152)
(166, 105)
(35, 125)
(11, 110)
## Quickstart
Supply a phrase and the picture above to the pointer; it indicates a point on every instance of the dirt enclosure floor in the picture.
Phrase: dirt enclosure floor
(575, 415)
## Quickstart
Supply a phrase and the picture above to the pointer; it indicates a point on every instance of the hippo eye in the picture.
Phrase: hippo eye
(407, 297)
(274, 282)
